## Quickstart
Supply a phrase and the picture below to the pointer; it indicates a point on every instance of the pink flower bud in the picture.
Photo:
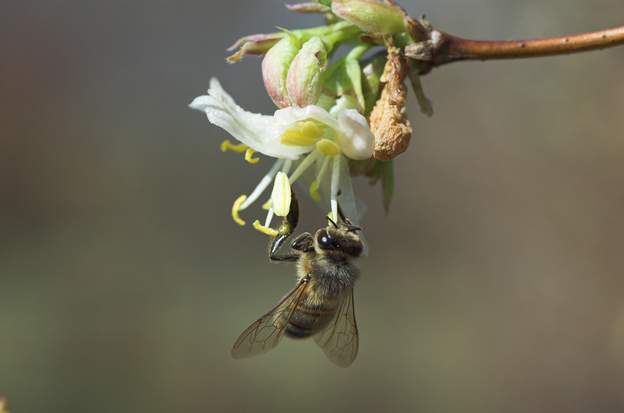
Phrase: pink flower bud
(275, 69)
(304, 75)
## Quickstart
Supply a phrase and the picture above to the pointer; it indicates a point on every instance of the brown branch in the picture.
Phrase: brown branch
(442, 48)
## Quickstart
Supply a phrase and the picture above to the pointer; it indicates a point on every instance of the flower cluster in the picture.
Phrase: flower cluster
(320, 131)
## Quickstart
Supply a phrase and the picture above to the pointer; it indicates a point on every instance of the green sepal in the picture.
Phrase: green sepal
(371, 81)
(344, 77)
(387, 183)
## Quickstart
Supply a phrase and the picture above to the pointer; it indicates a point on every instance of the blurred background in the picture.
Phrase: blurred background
(495, 283)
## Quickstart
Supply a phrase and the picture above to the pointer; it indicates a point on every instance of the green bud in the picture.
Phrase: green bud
(304, 75)
(370, 15)
(255, 44)
(275, 69)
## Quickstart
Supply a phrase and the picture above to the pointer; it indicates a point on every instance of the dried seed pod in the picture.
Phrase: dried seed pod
(390, 126)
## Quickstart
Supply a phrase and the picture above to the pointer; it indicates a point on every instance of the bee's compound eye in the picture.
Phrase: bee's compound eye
(323, 239)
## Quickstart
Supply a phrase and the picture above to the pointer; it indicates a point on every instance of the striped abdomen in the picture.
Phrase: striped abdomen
(311, 316)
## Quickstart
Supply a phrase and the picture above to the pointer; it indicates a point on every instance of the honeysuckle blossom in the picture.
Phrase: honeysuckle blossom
(300, 139)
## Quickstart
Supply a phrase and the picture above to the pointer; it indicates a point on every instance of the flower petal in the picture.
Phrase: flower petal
(257, 131)
(286, 117)
(355, 138)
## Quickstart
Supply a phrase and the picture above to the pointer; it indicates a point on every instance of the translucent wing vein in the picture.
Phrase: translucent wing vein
(265, 333)
(339, 340)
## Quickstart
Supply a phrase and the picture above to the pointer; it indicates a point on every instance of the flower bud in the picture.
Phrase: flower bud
(308, 7)
(275, 69)
(370, 15)
(303, 82)
(255, 44)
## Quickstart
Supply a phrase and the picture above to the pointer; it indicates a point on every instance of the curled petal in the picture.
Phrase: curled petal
(257, 131)
(291, 115)
(356, 139)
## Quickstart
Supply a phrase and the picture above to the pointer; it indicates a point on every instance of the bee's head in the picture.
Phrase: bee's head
(340, 239)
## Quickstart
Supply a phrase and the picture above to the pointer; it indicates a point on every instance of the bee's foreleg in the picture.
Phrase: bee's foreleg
(286, 229)
(304, 243)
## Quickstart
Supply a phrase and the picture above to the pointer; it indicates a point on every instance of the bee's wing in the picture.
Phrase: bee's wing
(266, 332)
(339, 340)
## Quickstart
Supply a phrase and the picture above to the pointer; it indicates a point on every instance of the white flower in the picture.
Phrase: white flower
(307, 137)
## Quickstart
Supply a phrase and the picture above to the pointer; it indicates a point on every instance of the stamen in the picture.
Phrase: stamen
(281, 195)
(269, 218)
(287, 166)
(328, 147)
(305, 164)
(227, 145)
(249, 156)
(314, 186)
(236, 208)
(335, 179)
(265, 230)
(314, 193)
(303, 133)
(286, 169)
(264, 183)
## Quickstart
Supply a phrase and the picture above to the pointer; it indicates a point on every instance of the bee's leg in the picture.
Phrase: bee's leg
(304, 243)
(285, 230)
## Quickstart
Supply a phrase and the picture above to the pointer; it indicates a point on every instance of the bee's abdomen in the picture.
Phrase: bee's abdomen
(306, 321)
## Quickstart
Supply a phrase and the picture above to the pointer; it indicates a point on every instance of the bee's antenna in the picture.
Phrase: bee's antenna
(332, 222)
(342, 216)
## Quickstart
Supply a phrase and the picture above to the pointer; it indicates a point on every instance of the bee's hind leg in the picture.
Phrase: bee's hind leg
(286, 229)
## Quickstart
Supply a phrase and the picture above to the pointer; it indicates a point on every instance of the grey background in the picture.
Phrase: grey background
(495, 284)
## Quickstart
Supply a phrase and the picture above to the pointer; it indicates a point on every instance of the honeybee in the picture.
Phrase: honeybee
(321, 304)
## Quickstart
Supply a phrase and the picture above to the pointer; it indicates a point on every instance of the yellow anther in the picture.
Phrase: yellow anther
(281, 195)
(249, 156)
(236, 208)
(265, 230)
(328, 147)
(314, 193)
(303, 133)
(227, 145)
(311, 128)
(267, 205)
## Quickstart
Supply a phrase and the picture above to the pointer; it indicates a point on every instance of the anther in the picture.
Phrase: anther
(227, 145)
(249, 156)
(236, 208)
(265, 230)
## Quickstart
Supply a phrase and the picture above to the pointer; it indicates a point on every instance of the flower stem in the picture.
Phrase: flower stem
(444, 48)
(462, 49)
